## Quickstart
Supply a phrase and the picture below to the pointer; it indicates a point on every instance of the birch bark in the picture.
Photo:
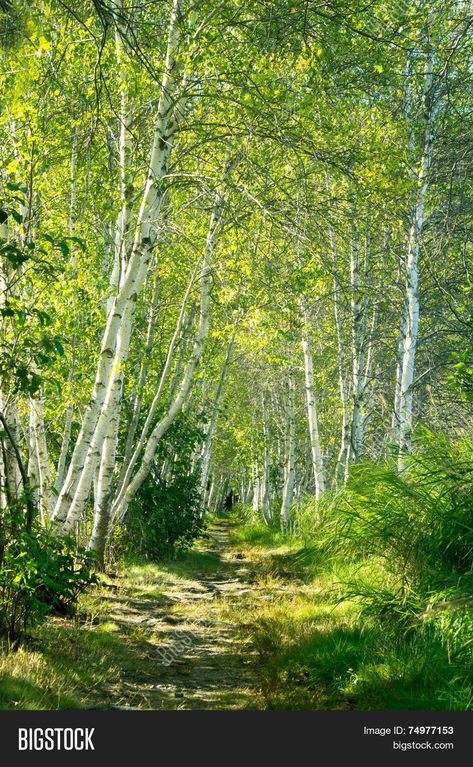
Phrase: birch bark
(409, 340)
(116, 335)
(317, 457)
(45, 495)
(288, 491)
(131, 484)
(265, 485)
(205, 456)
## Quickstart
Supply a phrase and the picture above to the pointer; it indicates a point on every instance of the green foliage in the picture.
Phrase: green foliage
(39, 574)
(165, 517)
(28, 344)
(355, 637)
(420, 521)
(462, 375)
(166, 514)
(406, 541)
(346, 666)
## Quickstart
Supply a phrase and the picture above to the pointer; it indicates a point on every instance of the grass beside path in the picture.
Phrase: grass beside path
(244, 620)
(317, 650)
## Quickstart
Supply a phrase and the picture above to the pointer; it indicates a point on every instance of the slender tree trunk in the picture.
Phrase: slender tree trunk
(288, 491)
(265, 486)
(256, 489)
(205, 455)
(341, 466)
(412, 277)
(131, 484)
(358, 351)
(117, 331)
(102, 505)
(137, 394)
(33, 468)
(65, 443)
(42, 459)
(181, 326)
(12, 478)
(109, 413)
(363, 331)
(317, 457)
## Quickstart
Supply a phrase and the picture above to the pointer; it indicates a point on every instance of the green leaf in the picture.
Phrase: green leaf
(17, 216)
(64, 248)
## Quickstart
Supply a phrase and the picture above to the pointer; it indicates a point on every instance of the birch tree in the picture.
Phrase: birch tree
(115, 342)
(410, 318)
(317, 457)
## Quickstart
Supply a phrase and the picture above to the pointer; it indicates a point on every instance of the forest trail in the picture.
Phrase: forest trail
(185, 655)
(244, 619)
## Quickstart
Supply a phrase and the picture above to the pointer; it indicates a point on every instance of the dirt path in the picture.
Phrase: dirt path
(181, 653)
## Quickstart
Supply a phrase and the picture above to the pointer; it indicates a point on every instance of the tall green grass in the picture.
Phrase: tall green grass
(397, 549)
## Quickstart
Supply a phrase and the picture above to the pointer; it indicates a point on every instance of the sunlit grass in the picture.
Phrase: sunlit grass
(80, 663)
(317, 650)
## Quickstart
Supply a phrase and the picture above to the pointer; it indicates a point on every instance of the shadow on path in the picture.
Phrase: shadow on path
(184, 656)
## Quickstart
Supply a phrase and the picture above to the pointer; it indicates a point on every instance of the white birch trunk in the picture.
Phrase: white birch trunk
(317, 457)
(341, 472)
(358, 349)
(128, 467)
(412, 265)
(65, 442)
(362, 350)
(265, 486)
(205, 456)
(341, 466)
(256, 489)
(121, 310)
(132, 485)
(45, 495)
(121, 504)
(110, 412)
(137, 394)
(288, 491)
(33, 469)
(101, 522)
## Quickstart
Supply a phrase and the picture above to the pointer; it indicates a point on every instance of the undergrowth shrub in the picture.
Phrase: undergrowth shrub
(39, 574)
(166, 514)
(420, 521)
(166, 517)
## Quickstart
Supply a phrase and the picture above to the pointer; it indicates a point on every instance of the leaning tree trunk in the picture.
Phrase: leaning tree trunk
(132, 484)
(71, 501)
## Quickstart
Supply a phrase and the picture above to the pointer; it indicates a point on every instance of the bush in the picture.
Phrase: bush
(39, 574)
(165, 516)
(420, 521)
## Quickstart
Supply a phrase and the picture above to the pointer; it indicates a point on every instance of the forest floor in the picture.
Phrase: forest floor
(153, 637)
(240, 621)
